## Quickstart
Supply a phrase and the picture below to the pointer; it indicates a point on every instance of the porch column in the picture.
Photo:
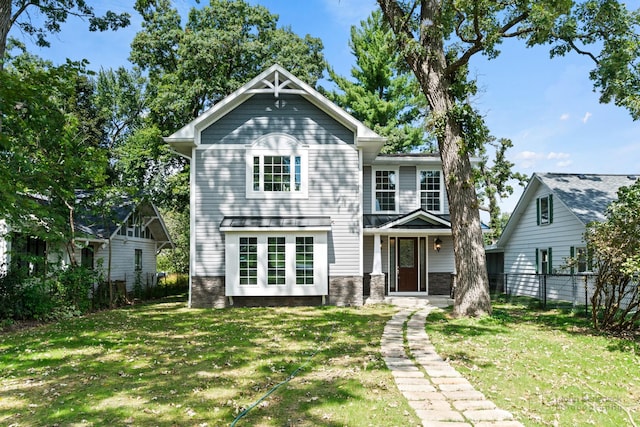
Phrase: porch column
(377, 277)
(377, 255)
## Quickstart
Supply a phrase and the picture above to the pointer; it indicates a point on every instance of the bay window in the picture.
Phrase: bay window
(272, 263)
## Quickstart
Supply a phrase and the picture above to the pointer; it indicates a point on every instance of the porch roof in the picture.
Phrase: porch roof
(418, 219)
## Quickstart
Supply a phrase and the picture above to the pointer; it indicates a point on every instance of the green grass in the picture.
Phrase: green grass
(164, 365)
(546, 367)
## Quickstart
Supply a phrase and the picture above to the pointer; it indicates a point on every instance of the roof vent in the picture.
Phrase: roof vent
(632, 177)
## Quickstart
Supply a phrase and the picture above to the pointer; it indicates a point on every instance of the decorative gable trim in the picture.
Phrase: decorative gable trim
(275, 80)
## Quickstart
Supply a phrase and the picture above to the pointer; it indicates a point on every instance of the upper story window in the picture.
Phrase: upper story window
(430, 185)
(544, 209)
(277, 173)
(385, 189)
(277, 166)
(134, 227)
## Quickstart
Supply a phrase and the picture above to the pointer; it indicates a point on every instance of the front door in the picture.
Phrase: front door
(407, 264)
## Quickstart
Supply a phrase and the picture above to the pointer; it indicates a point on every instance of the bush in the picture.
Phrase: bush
(10, 294)
(74, 286)
(62, 294)
(615, 248)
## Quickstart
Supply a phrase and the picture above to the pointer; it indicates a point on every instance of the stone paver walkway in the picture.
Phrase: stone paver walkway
(442, 397)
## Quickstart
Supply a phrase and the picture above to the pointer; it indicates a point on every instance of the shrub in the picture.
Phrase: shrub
(615, 247)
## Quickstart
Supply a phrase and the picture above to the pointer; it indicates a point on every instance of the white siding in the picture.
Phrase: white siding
(527, 237)
(123, 259)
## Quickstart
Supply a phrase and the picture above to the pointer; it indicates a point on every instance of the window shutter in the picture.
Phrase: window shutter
(537, 213)
(537, 262)
(550, 208)
(589, 256)
(572, 255)
(549, 263)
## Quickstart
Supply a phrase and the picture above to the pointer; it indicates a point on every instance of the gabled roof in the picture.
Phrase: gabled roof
(585, 195)
(92, 227)
(275, 80)
(418, 219)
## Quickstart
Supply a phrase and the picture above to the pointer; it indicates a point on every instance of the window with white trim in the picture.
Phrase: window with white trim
(277, 167)
(273, 264)
(385, 190)
(430, 190)
(544, 209)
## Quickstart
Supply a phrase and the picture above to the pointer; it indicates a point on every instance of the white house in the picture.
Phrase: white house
(291, 203)
(546, 229)
(127, 243)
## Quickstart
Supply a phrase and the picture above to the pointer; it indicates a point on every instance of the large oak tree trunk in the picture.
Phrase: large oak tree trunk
(472, 283)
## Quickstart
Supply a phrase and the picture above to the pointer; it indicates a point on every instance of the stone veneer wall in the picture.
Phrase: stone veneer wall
(208, 292)
(377, 287)
(440, 283)
(346, 290)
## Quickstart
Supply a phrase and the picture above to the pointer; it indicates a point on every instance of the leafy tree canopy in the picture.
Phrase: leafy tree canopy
(221, 47)
(48, 16)
(51, 143)
(383, 93)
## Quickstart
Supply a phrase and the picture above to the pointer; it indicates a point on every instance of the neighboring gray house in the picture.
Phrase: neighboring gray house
(546, 228)
(128, 243)
(291, 204)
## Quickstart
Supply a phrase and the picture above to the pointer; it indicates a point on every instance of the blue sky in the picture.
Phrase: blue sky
(546, 107)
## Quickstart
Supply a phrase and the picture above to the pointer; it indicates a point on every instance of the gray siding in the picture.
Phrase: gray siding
(333, 173)
(443, 261)
(408, 189)
(263, 114)
(366, 190)
(408, 195)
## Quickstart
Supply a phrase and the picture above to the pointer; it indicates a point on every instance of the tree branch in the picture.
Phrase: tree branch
(582, 52)
(477, 42)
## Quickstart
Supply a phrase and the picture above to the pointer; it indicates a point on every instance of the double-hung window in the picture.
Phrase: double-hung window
(430, 185)
(385, 190)
(277, 167)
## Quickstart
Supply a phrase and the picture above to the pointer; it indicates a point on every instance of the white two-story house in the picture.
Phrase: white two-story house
(291, 203)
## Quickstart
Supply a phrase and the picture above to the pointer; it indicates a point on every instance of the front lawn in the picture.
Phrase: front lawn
(547, 367)
(164, 365)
